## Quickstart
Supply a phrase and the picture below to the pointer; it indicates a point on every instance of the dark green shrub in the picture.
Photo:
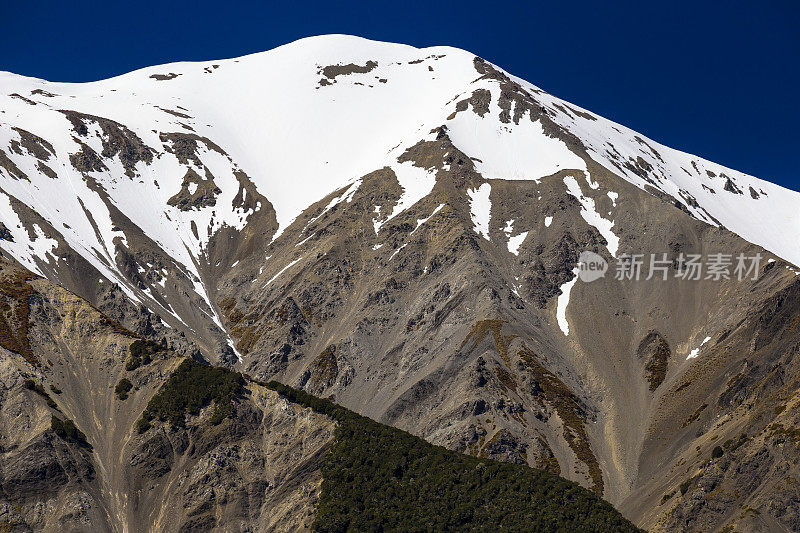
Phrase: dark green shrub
(717, 452)
(221, 412)
(685, 487)
(141, 352)
(123, 388)
(305, 399)
(142, 425)
(67, 430)
(379, 478)
(55, 389)
(142, 347)
(731, 445)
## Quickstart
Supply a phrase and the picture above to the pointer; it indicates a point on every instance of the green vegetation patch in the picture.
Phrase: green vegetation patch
(571, 412)
(141, 352)
(657, 353)
(123, 388)
(191, 387)
(694, 416)
(67, 430)
(379, 478)
(791, 433)
(732, 444)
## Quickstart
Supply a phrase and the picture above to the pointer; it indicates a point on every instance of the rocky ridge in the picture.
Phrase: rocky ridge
(427, 278)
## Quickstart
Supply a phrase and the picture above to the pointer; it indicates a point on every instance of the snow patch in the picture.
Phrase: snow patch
(421, 221)
(284, 269)
(301, 243)
(696, 351)
(510, 151)
(397, 251)
(563, 302)
(591, 216)
(515, 242)
(480, 208)
(416, 182)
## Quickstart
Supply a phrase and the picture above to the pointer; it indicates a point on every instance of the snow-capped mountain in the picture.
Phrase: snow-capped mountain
(400, 228)
(302, 121)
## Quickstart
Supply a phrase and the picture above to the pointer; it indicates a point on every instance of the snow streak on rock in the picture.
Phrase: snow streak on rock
(480, 208)
(591, 216)
(563, 302)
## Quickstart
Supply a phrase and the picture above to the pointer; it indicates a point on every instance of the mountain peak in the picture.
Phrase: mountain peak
(402, 229)
(308, 117)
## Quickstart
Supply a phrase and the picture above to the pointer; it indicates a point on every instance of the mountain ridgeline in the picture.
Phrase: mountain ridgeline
(398, 231)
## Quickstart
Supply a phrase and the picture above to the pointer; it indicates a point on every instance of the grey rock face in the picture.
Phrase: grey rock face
(259, 471)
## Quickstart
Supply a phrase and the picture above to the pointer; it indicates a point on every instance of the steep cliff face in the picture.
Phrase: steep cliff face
(733, 457)
(103, 431)
(93, 471)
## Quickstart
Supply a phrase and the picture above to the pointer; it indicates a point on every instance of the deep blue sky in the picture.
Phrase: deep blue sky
(717, 79)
